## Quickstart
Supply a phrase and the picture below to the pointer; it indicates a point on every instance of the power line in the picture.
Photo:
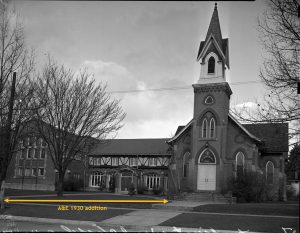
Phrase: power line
(177, 88)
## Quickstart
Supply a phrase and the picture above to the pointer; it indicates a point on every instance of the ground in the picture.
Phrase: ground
(262, 217)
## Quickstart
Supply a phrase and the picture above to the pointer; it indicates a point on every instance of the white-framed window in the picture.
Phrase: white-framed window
(152, 162)
(209, 100)
(114, 161)
(19, 171)
(41, 171)
(96, 179)
(132, 161)
(239, 164)
(204, 128)
(27, 172)
(33, 171)
(152, 181)
(270, 172)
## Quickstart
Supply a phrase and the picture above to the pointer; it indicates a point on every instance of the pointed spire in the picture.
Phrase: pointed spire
(214, 27)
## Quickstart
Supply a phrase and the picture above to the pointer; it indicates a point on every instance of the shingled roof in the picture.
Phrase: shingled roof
(149, 146)
(274, 135)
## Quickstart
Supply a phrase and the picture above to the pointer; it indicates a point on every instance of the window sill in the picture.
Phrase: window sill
(207, 139)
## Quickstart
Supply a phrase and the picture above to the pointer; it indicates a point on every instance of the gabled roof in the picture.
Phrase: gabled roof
(149, 146)
(180, 131)
(243, 128)
(274, 135)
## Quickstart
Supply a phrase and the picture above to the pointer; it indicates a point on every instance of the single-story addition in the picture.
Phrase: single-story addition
(122, 162)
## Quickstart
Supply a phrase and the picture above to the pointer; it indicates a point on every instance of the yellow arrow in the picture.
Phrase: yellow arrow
(7, 200)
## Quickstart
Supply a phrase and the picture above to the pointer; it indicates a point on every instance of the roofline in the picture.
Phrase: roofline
(243, 128)
(205, 48)
(180, 132)
(128, 154)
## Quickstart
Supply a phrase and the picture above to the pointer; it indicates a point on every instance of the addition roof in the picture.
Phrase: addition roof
(149, 146)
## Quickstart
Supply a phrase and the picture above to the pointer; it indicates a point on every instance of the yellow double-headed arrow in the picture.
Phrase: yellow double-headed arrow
(7, 200)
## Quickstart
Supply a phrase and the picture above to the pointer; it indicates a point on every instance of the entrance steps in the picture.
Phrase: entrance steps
(189, 201)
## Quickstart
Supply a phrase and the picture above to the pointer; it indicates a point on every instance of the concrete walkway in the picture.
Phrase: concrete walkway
(142, 218)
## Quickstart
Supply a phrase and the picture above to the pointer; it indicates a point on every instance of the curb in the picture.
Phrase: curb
(116, 228)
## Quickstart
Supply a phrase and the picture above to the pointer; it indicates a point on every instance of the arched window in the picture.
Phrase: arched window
(239, 164)
(212, 126)
(211, 65)
(207, 156)
(269, 172)
(204, 128)
(209, 100)
(185, 164)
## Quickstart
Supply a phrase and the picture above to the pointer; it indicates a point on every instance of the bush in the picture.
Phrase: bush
(157, 190)
(142, 189)
(249, 188)
(131, 189)
(73, 185)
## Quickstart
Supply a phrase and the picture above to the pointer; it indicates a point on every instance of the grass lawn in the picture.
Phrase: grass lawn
(226, 222)
(280, 209)
(52, 212)
(88, 196)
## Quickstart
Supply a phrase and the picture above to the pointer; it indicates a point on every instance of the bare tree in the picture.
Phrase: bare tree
(15, 97)
(76, 111)
(279, 29)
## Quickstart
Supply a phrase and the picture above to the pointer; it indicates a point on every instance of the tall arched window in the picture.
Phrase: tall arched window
(204, 128)
(212, 126)
(185, 164)
(269, 172)
(211, 65)
(239, 164)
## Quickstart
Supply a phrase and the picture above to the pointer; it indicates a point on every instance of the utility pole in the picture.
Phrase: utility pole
(7, 139)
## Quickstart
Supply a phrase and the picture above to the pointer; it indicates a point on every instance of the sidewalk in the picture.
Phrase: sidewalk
(71, 225)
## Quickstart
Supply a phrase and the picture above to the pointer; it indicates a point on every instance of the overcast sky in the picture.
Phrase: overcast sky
(145, 45)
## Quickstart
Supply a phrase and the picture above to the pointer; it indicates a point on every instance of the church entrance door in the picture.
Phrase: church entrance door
(206, 179)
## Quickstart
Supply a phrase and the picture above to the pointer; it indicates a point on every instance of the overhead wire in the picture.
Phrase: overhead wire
(175, 88)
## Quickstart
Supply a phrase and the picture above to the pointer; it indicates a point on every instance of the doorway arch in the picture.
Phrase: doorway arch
(206, 178)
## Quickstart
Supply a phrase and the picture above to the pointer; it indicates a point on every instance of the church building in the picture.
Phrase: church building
(203, 155)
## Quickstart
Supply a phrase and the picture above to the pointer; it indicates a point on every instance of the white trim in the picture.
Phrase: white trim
(206, 46)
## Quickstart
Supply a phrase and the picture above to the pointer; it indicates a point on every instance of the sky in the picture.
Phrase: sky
(146, 45)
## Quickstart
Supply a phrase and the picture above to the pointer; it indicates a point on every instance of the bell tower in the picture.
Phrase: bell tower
(211, 108)
(213, 53)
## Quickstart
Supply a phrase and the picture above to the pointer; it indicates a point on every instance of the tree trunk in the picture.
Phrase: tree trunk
(60, 185)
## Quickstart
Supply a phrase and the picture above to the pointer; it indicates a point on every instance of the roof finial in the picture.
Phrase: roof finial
(216, 4)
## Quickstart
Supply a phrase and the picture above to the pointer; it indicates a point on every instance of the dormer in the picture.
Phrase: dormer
(213, 53)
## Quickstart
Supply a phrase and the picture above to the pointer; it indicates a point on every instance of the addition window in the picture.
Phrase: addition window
(211, 65)
(27, 172)
(269, 172)
(114, 161)
(152, 181)
(97, 179)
